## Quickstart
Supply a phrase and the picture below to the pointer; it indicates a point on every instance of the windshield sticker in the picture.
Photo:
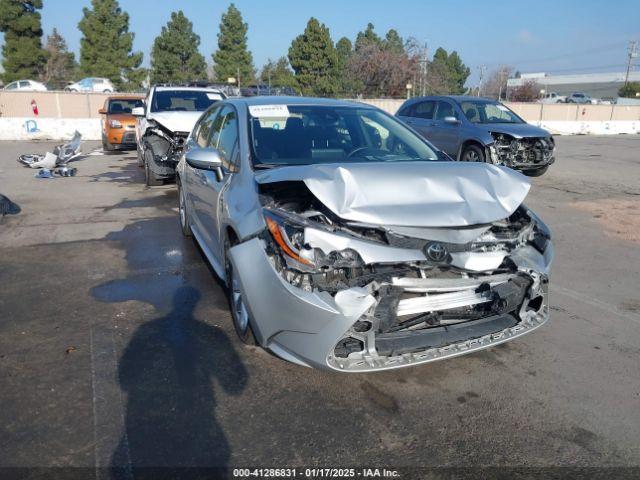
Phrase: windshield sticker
(269, 111)
(503, 108)
(214, 96)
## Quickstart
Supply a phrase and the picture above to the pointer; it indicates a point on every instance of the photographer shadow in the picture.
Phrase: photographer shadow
(168, 371)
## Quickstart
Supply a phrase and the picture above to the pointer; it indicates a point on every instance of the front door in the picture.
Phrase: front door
(208, 188)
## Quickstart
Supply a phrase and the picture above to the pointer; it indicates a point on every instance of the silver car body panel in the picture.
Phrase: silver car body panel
(411, 194)
(304, 327)
(428, 201)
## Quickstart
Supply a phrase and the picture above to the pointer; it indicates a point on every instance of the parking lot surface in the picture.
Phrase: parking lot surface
(117, 348)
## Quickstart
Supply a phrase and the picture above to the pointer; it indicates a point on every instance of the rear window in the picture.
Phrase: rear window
(183, 100)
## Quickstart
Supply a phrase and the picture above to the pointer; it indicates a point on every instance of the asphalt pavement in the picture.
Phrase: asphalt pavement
(117, 348)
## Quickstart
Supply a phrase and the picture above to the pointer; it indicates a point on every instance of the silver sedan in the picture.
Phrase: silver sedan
(349, 243)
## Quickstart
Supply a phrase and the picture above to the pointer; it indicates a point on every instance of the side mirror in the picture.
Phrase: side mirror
(137, 111)
(205, 159)
(102, 111)
(452, 120)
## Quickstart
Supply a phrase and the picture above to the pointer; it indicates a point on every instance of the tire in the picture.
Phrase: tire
(239, 313)
(150, 178)
(106, 146)
(183, 213)
(537, 172)
(472, 153)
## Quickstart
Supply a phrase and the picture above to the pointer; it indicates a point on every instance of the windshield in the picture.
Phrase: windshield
(311, 134)
(124, 105)
(488, 112)
(183, 100)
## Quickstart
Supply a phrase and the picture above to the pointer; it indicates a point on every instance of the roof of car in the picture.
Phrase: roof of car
(161, 88)
(455, 98)
(125, 97)
(286, 100)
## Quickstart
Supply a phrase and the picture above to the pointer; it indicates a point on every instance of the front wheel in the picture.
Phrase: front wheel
(150, 177)
(182, 210)
(472, 153)
(239, 312)
(106, 146)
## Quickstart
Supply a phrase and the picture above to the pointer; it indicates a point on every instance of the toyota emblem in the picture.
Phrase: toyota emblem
(436, 252)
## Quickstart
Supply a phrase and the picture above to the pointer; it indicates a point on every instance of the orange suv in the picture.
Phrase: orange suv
(118, 125)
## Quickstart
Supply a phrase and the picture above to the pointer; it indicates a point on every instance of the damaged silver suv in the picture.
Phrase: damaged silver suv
(350, 243)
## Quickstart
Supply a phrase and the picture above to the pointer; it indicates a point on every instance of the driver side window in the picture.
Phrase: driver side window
(203, 131)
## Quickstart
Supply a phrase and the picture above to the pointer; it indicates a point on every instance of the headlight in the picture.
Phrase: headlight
(115, 124)
(287, 233)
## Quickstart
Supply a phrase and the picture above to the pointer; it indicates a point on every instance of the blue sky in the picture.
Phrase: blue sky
(552, 36)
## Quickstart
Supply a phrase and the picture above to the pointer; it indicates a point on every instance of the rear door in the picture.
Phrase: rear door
(446, 135)
(420, 117)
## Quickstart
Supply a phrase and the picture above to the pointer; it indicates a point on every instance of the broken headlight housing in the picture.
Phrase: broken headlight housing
(287, 233)
(540, 234)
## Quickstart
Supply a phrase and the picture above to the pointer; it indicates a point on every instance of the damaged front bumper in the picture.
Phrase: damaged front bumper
(166, 148)
(387, 322)
(522, 153)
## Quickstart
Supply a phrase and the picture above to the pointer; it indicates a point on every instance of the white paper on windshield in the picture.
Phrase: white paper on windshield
(503, 108)
(269, 111)
(214, 96)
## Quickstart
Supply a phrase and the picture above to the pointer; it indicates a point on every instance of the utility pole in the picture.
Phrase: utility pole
(424, 65)
(633, 53)
(482, 69)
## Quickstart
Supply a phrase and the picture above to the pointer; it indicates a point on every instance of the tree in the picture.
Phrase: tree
(393, 42)
(367, 37)
(106, 45)
(447, 73)
(23, 55)
(61, 63)
(527, 92)
(348, 83)
(232, 55)
(383, 72)
(278, 73)
(631, 89)
(175, 56)
(496, 84)
(314, 59)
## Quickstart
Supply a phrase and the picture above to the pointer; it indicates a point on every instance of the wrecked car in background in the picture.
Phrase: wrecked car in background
(164, 122)
(473, 129)
(350, 243)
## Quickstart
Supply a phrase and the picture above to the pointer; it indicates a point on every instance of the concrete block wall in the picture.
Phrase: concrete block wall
(61, 113)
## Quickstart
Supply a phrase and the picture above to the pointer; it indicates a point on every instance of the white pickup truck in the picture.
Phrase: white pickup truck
(163, 125)
(553, 97)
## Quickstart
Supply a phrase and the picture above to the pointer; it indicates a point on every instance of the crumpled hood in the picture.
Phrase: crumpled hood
(176, 121)
(517, 130)
(417, 194)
